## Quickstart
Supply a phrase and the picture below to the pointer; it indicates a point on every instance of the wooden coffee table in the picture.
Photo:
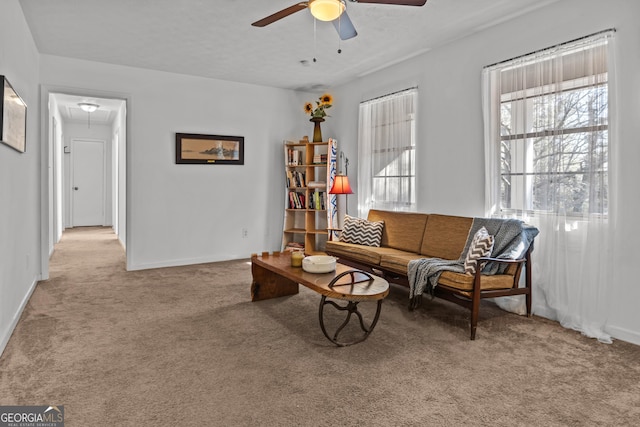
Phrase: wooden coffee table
(274, 277)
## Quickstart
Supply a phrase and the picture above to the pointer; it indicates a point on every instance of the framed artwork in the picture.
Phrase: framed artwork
(209, 149)
(13, 118)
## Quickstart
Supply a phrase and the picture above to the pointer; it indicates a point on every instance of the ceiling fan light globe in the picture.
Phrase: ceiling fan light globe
(326, 10)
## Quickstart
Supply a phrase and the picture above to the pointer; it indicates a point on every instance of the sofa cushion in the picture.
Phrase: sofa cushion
(445, 236)
(398, 261)
(481, 246)
(367, 254)
(402, 230)
(362, 232)
(464, 282)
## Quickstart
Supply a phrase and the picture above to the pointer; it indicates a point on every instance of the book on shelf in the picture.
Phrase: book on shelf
(294, 157)
(319, 158)
(295, 178)
(296, 200)
(317, 200)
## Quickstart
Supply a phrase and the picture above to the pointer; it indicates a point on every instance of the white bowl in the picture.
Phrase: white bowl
(319, 264)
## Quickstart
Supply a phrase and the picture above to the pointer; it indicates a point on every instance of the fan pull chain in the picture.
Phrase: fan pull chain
(315, 42)
(339, 34)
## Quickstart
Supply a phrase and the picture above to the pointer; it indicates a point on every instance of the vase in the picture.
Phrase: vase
(317, 132)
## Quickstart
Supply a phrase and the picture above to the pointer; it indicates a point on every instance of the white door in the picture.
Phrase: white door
(87, 186)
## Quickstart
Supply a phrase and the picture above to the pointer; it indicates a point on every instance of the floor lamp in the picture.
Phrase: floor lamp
(341, 183)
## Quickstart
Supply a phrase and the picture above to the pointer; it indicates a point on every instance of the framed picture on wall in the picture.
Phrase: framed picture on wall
(209, 149)
(13, 118)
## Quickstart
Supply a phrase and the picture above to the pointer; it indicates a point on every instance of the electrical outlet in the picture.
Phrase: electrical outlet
(245, 233)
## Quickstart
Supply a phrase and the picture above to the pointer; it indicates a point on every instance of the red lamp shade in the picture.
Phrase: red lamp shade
(341, 185)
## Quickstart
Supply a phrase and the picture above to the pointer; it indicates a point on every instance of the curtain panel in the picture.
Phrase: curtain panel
(550, 160)
(386, 153)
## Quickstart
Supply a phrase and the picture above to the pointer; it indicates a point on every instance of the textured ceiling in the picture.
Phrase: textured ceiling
(214, 38)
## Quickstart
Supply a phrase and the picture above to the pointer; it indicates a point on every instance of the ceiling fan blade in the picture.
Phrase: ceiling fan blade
(345, 27)
(396, 2)
(281, 14)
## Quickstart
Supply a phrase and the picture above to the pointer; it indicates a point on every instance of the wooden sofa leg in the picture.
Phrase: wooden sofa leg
(474, 324)
(528, 283)
(475, 308)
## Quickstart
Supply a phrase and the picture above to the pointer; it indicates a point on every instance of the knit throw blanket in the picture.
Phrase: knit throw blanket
(512, 239)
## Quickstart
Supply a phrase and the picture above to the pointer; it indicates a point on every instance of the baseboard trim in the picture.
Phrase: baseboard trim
(6, 334)
(180, 262)
(623, 334)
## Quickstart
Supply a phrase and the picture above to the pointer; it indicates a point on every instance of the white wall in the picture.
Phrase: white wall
(182, 214)
(450, 162)
(19, 175)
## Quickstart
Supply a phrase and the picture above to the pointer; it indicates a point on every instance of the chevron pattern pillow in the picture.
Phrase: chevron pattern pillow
(481, 246)
(362, 232)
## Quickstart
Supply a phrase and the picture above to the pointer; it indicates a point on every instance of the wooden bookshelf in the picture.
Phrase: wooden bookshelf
(305, 213)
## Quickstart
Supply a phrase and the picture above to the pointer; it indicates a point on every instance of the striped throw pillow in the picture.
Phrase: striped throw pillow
(361, 232)
(481, 246)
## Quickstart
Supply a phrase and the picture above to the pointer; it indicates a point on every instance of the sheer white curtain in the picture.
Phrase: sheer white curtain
(550, 160)
(386, 153)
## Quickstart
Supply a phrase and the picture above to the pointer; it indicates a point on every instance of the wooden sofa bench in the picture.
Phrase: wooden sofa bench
(409, 236)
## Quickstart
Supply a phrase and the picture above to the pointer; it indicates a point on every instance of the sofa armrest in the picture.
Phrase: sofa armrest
(484, 260)
(514, 266)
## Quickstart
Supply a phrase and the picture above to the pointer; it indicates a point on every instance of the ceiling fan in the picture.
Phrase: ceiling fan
(331, 10)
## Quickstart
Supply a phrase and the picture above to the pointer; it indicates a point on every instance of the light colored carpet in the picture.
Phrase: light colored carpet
(185, 346)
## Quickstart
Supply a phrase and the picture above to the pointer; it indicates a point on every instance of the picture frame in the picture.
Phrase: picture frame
(192, 148)
(13, 118)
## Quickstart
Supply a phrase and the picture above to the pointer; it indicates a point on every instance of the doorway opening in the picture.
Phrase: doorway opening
(86, 157)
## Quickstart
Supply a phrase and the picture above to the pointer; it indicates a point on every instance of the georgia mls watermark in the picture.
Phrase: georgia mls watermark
(31, 416)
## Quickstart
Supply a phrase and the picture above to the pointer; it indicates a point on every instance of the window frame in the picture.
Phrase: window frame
(529, 137)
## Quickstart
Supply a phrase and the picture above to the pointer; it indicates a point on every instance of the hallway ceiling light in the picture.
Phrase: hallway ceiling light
(88, 107)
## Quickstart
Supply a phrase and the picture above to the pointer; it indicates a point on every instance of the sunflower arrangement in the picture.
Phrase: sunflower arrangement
(323, 103)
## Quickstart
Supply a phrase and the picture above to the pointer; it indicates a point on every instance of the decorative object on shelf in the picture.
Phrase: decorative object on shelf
(318, 114)
(341, 183)
(317, 184)
(209, 149)
(324, 102)
(13, 117)
(317, 132)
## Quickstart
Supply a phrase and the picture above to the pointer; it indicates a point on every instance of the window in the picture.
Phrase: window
(554, 152)
(550, 160)
(386, 153)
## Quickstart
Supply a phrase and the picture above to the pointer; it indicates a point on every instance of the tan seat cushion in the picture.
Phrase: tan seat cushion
(464, 282)
(398, 262)
(402, 230)
(445, 236)
(367, 254)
